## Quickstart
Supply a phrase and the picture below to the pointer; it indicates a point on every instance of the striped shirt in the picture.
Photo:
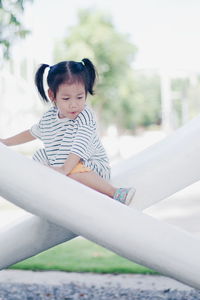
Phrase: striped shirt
(64, 136)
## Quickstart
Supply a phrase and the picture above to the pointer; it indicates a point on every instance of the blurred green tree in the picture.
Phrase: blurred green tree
(120, 98)
(147, 99)
(10, 24)
(95, 37)
(179, 87)
(185, 100)
(193, 97)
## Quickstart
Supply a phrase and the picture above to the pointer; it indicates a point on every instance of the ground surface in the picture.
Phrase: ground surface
(28, 285)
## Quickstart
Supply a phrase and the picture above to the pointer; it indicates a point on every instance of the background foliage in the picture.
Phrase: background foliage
(125, 96)
(122, 97)
(11, 27)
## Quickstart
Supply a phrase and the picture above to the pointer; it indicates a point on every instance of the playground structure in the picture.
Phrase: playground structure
(63, 208)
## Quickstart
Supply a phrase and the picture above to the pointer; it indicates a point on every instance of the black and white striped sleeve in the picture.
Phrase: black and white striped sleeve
(35, 130)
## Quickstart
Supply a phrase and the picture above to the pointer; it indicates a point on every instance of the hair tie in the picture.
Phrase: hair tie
(82, 62)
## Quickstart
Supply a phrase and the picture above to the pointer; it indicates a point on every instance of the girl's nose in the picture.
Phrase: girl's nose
(73, 104)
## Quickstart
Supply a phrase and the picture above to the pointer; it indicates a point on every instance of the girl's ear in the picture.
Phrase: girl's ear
(51, 95)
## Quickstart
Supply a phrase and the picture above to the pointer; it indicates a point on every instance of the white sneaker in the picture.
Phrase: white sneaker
(124, 195)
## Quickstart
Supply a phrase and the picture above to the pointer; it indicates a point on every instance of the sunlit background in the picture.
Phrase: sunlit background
(147, 56)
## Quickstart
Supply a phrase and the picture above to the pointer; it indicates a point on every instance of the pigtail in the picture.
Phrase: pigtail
(39, 81)
(91, 73)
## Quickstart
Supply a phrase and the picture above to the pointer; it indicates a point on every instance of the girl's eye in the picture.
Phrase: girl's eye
(65, 98)
(80, 97)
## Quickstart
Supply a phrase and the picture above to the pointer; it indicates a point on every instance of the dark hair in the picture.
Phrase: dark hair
(66, 71)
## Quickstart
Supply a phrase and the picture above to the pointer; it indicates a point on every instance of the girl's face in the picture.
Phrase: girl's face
(70, 99)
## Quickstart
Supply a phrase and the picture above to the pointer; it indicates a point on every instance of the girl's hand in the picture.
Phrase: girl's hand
(2, 141)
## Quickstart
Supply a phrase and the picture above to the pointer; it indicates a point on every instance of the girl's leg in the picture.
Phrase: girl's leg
(96, 182)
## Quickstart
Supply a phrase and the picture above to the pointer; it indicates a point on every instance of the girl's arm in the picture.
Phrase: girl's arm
(21, 138)
(69, 164)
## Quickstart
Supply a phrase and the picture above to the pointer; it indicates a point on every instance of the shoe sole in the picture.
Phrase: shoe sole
(130, 196)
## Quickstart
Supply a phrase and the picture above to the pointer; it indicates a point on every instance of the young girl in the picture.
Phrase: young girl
(68, 129)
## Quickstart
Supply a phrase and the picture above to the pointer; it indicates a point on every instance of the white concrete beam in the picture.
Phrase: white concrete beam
(73, 206)
(164, 168)
(29, 236)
